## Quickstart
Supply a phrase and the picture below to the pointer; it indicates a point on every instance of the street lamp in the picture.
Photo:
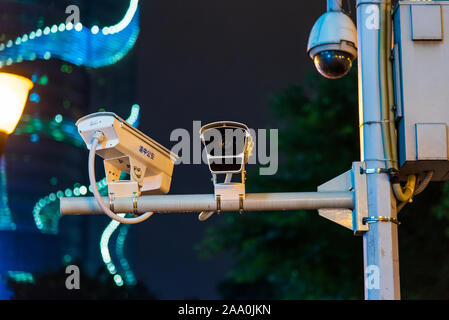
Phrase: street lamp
(14, 91)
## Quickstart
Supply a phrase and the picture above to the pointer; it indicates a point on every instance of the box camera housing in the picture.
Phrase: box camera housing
(124, 148)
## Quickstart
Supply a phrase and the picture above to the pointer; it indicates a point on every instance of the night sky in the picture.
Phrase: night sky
(208, 60)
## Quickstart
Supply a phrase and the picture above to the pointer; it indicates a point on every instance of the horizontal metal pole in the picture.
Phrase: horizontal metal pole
(207, 202)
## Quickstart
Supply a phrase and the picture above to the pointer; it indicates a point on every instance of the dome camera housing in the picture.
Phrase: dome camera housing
(333, 44)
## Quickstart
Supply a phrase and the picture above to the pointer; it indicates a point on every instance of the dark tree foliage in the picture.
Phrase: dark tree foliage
(299, 255)
(51, 286)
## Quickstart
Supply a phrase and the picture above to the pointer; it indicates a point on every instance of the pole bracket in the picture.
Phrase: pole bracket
(353, 180)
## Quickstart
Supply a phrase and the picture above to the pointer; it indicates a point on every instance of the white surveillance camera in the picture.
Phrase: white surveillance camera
(333, 44)
(227, 146)
(124, 148)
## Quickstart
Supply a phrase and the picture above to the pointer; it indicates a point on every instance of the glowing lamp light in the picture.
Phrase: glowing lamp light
(14, 91)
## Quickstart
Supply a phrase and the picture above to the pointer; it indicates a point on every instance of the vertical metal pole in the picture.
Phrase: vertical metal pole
(380, 243)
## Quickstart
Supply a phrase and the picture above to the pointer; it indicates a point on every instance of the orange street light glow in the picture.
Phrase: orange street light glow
(14, 91)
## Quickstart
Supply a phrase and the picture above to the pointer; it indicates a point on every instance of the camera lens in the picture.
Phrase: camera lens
(333, 64)
(227, 146)
(232, 141)
(224, 141)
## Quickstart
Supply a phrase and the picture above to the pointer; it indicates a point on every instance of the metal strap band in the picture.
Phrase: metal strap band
(111, 201)
(376, 122)
(380, 219)
(135, 198)
(381, 160)
(374, 171)
(218, 198)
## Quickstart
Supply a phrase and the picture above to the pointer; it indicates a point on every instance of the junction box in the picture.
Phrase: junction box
(421, 80)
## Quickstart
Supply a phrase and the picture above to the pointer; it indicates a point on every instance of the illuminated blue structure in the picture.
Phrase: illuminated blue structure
(77, 44)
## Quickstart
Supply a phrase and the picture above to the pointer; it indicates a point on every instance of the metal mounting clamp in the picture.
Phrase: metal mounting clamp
(111, 201)
(375, 170)
(241, 198)
(390, 171)
(135, 198)
(368, 220)
(376, 122)
(218, 199)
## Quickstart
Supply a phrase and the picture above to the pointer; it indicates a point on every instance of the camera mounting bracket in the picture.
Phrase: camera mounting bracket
(230, 191)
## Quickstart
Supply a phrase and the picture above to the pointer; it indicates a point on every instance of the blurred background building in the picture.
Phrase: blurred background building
(76, 69)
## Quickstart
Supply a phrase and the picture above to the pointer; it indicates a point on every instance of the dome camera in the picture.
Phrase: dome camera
(333, 44)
